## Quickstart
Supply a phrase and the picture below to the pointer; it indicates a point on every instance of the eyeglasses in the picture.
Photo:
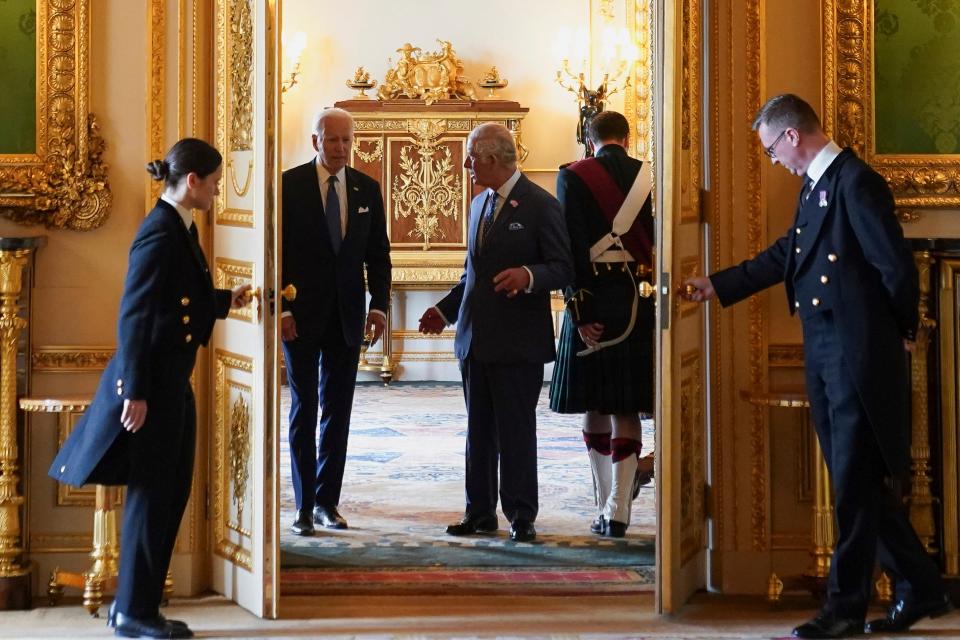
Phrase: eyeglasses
(770, 150)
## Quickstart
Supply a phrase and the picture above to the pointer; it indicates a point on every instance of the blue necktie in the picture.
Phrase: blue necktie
(488, 219)
(807, 188)
(332, 213)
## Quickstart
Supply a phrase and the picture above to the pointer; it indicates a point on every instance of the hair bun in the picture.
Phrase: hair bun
(158, 169)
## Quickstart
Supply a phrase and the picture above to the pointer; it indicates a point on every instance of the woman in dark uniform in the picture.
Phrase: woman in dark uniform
(140, 429)
(604, 366)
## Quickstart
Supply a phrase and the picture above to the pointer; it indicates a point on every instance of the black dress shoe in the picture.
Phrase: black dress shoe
(614, 529)
(522, 530)
(472, 524)
(329, 517)
(156, 627)
(112, 617)
(903, 614)
(829, 625)
(303, 525)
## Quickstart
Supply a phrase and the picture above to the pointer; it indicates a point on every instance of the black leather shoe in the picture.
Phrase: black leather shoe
(614, 529)
(157, 627)
(903, 614)
(598, 525)
(472, 524)
(522, 531)
(829, 625)
(112, 617)
(303, 525)
(328, 517)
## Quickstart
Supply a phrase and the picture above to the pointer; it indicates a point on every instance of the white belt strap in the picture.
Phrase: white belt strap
(629, 210)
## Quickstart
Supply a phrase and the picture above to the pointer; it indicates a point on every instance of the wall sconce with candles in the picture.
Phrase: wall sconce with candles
(293, 48)
(618, 52)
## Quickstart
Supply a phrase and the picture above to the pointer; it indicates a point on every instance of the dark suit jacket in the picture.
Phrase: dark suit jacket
(530, 232)
(322, 276)
(585, 221)
(168, 309)
(849, 256)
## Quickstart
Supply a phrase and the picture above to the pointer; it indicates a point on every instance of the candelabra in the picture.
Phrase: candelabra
(292, 48)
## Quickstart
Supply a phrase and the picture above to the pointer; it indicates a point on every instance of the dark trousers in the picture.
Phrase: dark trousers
(501, 403)
(322, 373)
(161, 472)
(872, 523)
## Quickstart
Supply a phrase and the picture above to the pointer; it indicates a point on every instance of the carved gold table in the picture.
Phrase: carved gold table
(15, 256)
(822, 535)
(106, 550)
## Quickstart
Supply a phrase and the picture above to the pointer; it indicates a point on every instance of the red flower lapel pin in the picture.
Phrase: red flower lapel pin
(514, 204)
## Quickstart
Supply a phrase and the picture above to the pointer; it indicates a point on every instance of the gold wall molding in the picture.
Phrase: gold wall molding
(156, 91)
(636, 101)
(917, 180)
(228, 394)
(404, 334)
(61, 543)
(756, 314)
(56, 359)
(424, 356)
(63, 185)
(369, 156)
(693, 473)
(785, 355)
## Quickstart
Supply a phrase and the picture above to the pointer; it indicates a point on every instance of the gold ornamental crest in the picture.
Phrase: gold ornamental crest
(427, 76)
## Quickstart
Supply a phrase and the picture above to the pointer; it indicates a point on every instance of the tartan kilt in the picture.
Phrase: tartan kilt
(617, 379)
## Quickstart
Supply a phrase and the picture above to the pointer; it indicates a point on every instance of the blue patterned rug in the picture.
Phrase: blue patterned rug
(404, 483)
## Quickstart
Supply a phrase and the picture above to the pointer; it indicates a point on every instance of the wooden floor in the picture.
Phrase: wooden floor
(369, 617)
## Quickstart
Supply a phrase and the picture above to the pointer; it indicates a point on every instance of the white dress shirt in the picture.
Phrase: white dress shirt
(185, 214)
(822, 161)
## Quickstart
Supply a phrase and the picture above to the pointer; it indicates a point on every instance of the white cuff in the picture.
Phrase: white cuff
(440, 313)
(378, 312)
(286, 314)
(529, 288)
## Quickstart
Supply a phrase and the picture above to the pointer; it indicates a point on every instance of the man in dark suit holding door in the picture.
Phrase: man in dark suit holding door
(851, 278)
(333, 228)
(517, 252)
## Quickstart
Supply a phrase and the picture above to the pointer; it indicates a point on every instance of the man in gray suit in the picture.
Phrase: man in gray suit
(517, 252)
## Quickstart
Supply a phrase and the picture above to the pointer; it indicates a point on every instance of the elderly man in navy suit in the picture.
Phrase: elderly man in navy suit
(851, 278)
(333, 228)
(517, 252)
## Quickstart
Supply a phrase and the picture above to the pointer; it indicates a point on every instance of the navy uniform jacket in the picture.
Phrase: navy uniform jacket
(322, 276)
(846, 253)
(529, 231)
(168, 309)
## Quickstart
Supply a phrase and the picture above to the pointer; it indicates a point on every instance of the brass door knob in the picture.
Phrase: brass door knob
(289, 293)
(646, 289)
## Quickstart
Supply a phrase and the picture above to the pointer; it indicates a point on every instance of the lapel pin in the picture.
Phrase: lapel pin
(514, 204)
(823, 198)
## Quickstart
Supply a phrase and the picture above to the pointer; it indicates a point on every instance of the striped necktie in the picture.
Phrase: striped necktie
(332, 212)
(488, 218)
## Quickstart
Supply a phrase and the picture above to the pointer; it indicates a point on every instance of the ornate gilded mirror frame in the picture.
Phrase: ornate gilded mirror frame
(917, 180)
(63, 184)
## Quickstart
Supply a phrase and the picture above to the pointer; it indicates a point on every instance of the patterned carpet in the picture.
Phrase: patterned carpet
(404, 483)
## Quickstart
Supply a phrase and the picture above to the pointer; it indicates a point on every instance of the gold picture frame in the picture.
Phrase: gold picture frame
(63, 184)
(917, 180)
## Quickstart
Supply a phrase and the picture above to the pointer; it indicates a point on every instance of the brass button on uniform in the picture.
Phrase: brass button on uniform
(63, 468)
(816, 302)
(119, 391)
(798, 230)
(184, 301)
(119, 382)
(796, 304)
(797, 249)
(186, 319)
(188, 338)
(824, 279)
(832, 257)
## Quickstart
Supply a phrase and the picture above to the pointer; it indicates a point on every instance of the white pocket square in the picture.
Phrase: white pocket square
(515, 226)
(363, 210)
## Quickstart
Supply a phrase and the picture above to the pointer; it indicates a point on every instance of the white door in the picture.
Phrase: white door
(682, 357)
(243, 446)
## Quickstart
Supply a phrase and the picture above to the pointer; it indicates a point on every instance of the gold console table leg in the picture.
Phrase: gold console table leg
(823, 534)
(102, 576)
